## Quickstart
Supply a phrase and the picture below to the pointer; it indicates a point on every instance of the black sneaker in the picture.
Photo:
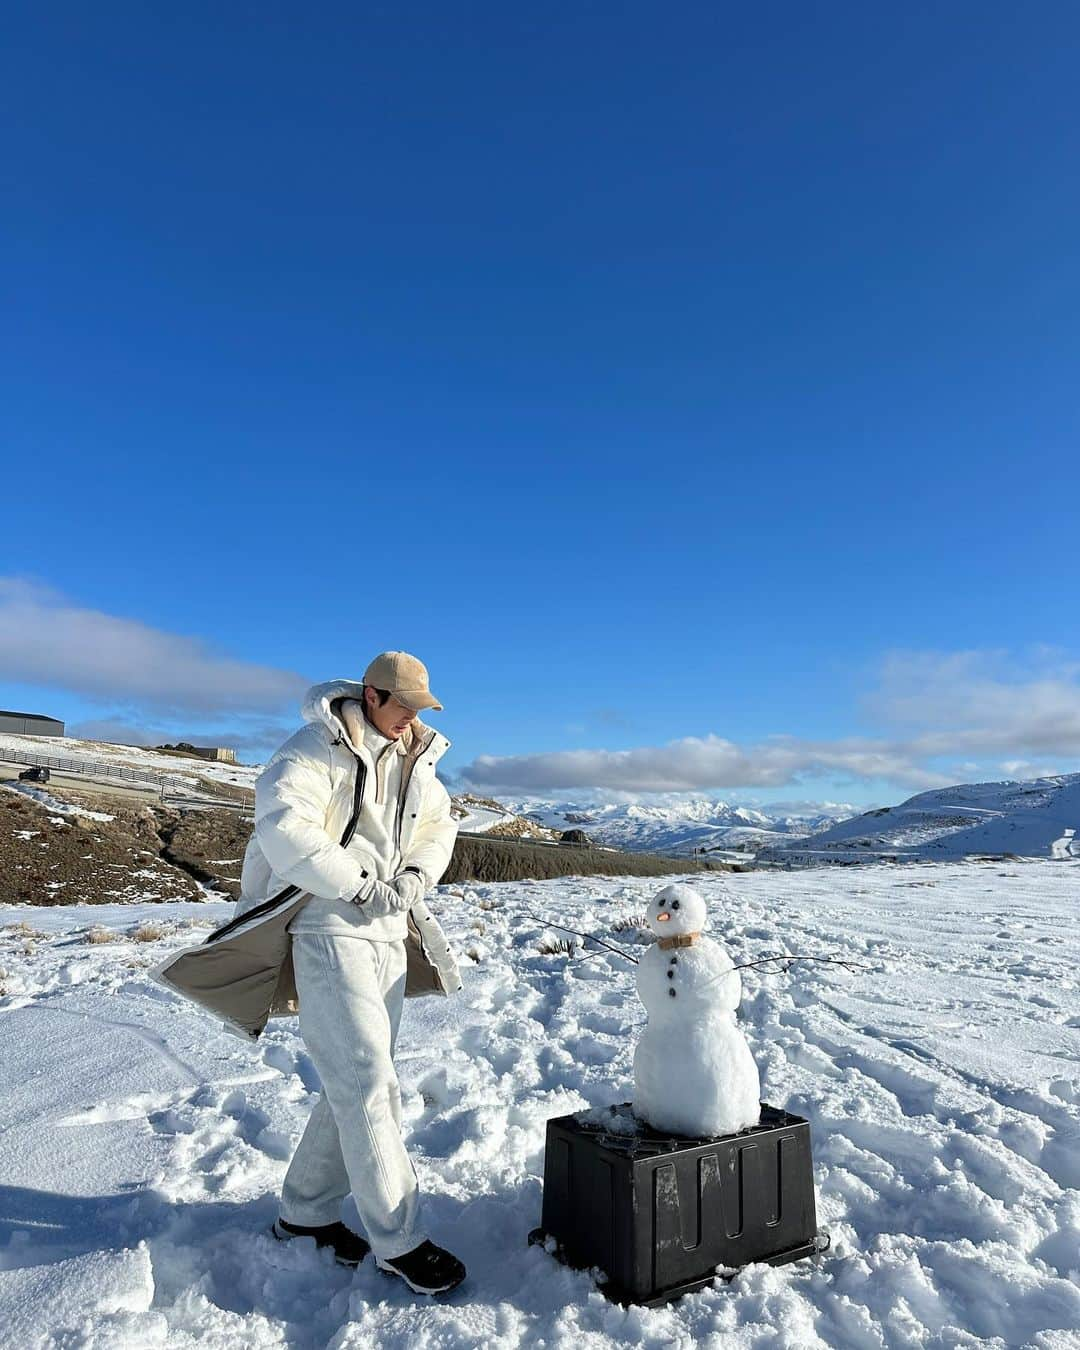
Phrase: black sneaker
(349, 1248)
(427, 1269)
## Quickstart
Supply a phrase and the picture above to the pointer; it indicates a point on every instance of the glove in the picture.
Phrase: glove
(410, 887)
(378, 899)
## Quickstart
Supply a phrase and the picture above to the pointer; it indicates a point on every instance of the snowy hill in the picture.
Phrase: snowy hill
(149, 767)
(484, 815)
(677, 827)
(147, 771)
(143, 1148)
(950, 823)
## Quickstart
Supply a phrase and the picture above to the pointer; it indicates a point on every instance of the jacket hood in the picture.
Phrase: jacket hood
(318, 706)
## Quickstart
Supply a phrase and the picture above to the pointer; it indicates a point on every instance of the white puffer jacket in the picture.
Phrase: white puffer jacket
(305, 800)
(311, 788)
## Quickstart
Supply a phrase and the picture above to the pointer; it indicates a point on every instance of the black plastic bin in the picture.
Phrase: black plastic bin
(658, 1213)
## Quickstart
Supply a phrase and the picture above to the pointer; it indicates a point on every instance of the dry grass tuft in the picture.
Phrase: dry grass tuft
(559, 947)
(635, 922)
(21, 929)
(98, 934)
(147, 932)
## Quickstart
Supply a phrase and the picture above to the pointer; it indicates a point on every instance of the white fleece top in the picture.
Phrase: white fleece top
(375, 837)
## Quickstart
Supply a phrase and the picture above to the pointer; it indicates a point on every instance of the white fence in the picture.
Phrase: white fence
(174, 791)
(88, 767)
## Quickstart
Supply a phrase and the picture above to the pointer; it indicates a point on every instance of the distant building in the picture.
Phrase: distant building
(221, 753)
(30, 724)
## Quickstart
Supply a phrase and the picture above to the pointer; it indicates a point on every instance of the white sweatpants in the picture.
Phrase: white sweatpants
(351, 992)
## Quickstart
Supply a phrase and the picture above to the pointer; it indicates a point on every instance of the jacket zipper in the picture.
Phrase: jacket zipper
(405, 780)
(266, 906)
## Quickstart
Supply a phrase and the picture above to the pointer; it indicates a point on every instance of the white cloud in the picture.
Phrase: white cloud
(961, 705)
(45, 639)
(247, 737)
(695, 763)
(982, 703)
(1022, 768)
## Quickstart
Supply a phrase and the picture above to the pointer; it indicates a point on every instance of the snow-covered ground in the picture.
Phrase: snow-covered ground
(54, 804)
(142, 1147)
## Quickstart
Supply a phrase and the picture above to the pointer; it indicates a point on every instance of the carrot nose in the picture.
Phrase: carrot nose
(663, 918)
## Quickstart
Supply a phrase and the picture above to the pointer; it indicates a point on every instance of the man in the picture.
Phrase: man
(352, 828)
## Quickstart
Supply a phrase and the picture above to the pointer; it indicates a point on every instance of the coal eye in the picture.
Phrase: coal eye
(674, 904)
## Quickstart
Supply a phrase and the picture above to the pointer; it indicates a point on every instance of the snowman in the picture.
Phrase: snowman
(693, 1070)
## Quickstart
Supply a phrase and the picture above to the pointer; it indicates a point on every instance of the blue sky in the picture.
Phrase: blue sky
(693, 388)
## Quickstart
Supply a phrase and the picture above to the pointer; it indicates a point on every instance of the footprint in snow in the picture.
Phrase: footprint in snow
(293, 1063)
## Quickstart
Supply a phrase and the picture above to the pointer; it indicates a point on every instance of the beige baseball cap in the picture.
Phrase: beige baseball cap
(405, 677)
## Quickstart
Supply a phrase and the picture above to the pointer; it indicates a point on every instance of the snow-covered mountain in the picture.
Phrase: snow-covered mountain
(678, 827)
(1021, 817)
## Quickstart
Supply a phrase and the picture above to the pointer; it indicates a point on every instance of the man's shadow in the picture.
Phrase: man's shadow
(212, 1246)
(224, 1251)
